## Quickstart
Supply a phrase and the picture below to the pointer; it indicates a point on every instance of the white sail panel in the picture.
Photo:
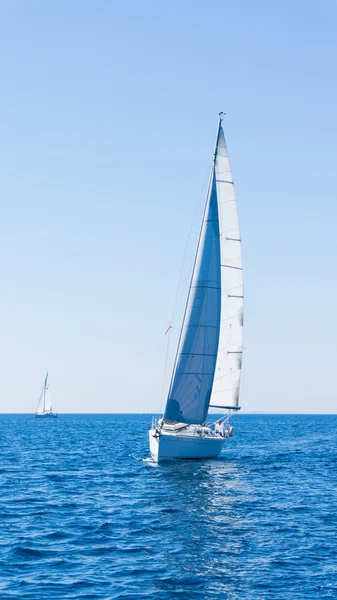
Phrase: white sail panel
(40, 405)
(48, 406)
(226, 386)
(193, 374)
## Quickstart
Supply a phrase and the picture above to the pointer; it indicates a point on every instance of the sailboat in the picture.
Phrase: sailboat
(207, 367)
(44, 407)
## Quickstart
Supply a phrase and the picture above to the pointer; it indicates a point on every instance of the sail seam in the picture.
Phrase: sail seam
(206, 326)
(195, 354)
(192, 373)
(232, 267)
(210, 287)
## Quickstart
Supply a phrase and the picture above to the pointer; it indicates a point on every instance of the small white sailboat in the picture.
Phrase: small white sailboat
(207, 368)
(44, 407)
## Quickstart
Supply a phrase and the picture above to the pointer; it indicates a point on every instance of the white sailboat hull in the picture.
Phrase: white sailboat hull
(175, 445)
(45, 415)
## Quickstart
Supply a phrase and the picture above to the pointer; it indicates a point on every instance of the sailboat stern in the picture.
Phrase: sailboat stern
(45, 415)
(188, 444)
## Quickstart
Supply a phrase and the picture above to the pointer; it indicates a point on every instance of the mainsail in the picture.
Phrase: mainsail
(226, 386)
(210, 344)
(43, 400)
(40, 406)
(48, 406)
(192, 379)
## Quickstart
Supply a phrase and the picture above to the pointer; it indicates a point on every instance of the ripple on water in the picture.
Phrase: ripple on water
(86, 513)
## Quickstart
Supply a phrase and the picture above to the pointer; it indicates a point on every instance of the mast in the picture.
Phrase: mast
(193, 372)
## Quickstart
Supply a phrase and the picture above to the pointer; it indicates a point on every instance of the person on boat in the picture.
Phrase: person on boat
(220, 428)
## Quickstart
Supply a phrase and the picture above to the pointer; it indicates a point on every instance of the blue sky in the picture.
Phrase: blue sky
(107, 116)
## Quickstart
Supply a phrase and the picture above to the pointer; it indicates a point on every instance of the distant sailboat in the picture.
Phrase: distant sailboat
(44, 407)
(207, 367)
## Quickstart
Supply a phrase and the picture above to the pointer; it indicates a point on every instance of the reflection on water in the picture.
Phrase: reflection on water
(235, 520)
(202, 530)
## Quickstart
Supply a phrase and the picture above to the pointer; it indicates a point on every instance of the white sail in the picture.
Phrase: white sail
(41, 406)
(44, 404)
(48, 406)
(192, 380)
(226, 385)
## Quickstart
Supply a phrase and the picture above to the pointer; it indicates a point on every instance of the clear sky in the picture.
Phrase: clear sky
(108, 114)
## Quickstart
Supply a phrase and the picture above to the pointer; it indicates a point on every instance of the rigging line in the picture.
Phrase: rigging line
(224, 417)
(165, 368)
(201, 196)
(180, 276)
(235, 287)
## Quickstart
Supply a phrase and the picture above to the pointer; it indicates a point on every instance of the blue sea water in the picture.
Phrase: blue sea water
(86, 514)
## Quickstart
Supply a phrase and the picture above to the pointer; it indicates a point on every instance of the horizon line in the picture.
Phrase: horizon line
(154, 413)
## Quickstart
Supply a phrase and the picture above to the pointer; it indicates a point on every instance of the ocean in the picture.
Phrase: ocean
(85, 513)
